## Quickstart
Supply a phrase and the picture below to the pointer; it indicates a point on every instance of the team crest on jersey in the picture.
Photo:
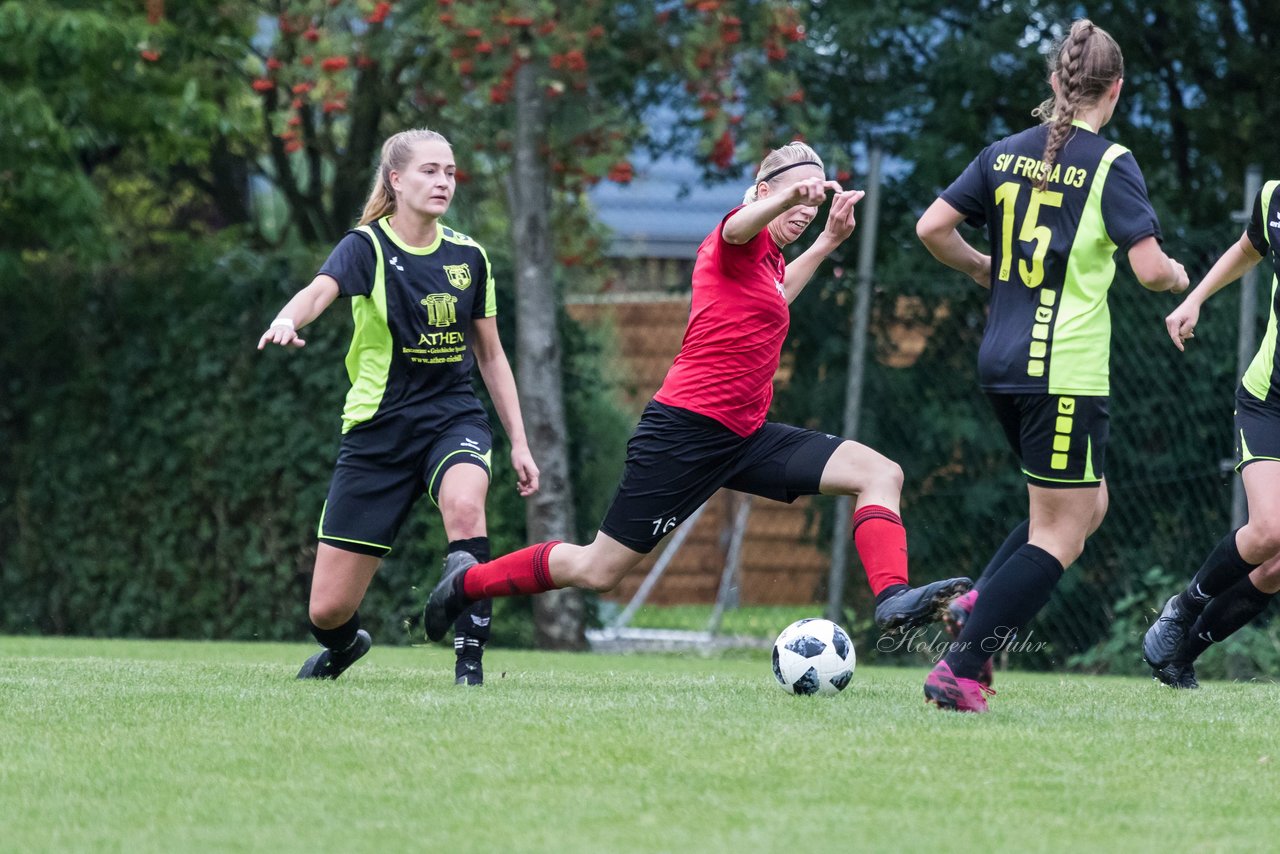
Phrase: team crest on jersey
(459, 275)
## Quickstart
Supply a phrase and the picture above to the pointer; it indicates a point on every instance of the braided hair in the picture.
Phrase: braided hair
(395, 156)
(1086, 62)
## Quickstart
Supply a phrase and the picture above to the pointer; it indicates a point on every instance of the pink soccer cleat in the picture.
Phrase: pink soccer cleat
(947, 691)
(957, 613)
(954, 618)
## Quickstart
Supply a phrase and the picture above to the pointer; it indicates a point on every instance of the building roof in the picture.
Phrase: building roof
(666, 210)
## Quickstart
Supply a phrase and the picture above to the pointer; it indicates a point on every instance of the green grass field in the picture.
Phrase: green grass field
(159, 746)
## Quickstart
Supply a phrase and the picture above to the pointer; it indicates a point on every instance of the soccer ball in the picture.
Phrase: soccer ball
(813, 656)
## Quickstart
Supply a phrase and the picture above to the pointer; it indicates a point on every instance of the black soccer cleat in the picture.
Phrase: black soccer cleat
(1177, 675)
(468, 671)
(447, 600)
(916, 606)
(327, 664)
(1161, 643)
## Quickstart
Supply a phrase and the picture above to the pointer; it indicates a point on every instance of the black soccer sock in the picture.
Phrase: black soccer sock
(471, 629)
(1017, 539)
(1221, 570)
(341, 638)
(1226, 614)
(477, 547)
(891, 591)
(1013, 596)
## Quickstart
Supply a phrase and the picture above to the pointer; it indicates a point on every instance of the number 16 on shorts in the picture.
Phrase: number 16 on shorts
(662, 526)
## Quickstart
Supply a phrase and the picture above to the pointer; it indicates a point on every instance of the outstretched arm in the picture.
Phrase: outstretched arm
(1234, 263)
(306, 305)
(748, 221)
(495, 370)
(938, 231)
(840, 224)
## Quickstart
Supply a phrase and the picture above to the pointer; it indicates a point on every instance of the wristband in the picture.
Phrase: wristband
(282, 321)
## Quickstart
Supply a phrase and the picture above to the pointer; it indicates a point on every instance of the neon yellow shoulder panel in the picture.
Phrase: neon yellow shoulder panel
(1257, 378)
(369, 357)
(1082, 330)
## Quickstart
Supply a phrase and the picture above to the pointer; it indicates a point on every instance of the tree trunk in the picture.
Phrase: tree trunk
(351, 182)
(229, 187)
(559, 614)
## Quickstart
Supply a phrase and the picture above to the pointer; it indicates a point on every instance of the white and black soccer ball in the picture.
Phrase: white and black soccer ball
(813, 656)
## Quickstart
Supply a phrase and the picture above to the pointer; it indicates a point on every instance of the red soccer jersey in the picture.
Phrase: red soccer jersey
(737, 324)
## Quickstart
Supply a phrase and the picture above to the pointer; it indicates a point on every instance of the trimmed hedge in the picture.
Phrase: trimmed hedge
(160, 477)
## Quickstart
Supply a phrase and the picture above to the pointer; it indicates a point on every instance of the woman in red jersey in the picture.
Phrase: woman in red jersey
(706, 428)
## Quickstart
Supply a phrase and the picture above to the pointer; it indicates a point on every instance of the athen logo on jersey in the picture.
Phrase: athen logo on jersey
(441, 309)
(394, 262)
(459, 275)
(782, 291)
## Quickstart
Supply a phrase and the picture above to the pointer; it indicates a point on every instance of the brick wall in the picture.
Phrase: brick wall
(779, 563)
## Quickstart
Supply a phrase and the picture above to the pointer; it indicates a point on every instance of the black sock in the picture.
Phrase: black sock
(1226, 614)
(477, 547)
(890, 591)
(1221, 570)
(1017, 539)
(341, 638)
(471, 629)
(1013, 597)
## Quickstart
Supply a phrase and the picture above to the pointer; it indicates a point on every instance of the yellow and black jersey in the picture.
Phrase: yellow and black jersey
(1262, 378)
(1052, 256)
(413, 307)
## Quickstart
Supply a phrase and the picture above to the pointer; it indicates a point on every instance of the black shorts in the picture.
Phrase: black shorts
(1061, 441)
(1257, 429)
(677, 459)
(386, 464)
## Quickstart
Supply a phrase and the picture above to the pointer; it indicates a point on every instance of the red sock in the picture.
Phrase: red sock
(522, 572)
(881, 542)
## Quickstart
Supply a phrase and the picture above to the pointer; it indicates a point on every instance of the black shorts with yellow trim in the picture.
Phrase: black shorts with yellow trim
(385, 465)
(1061, 440)
(1257, 429)
(677, 459)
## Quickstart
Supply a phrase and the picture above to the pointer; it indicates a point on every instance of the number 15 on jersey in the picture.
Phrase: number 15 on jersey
(1032, 274)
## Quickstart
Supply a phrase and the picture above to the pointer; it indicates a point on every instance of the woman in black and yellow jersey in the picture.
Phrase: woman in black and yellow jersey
(422, 297)
(1242, 574)
(1058, 201)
